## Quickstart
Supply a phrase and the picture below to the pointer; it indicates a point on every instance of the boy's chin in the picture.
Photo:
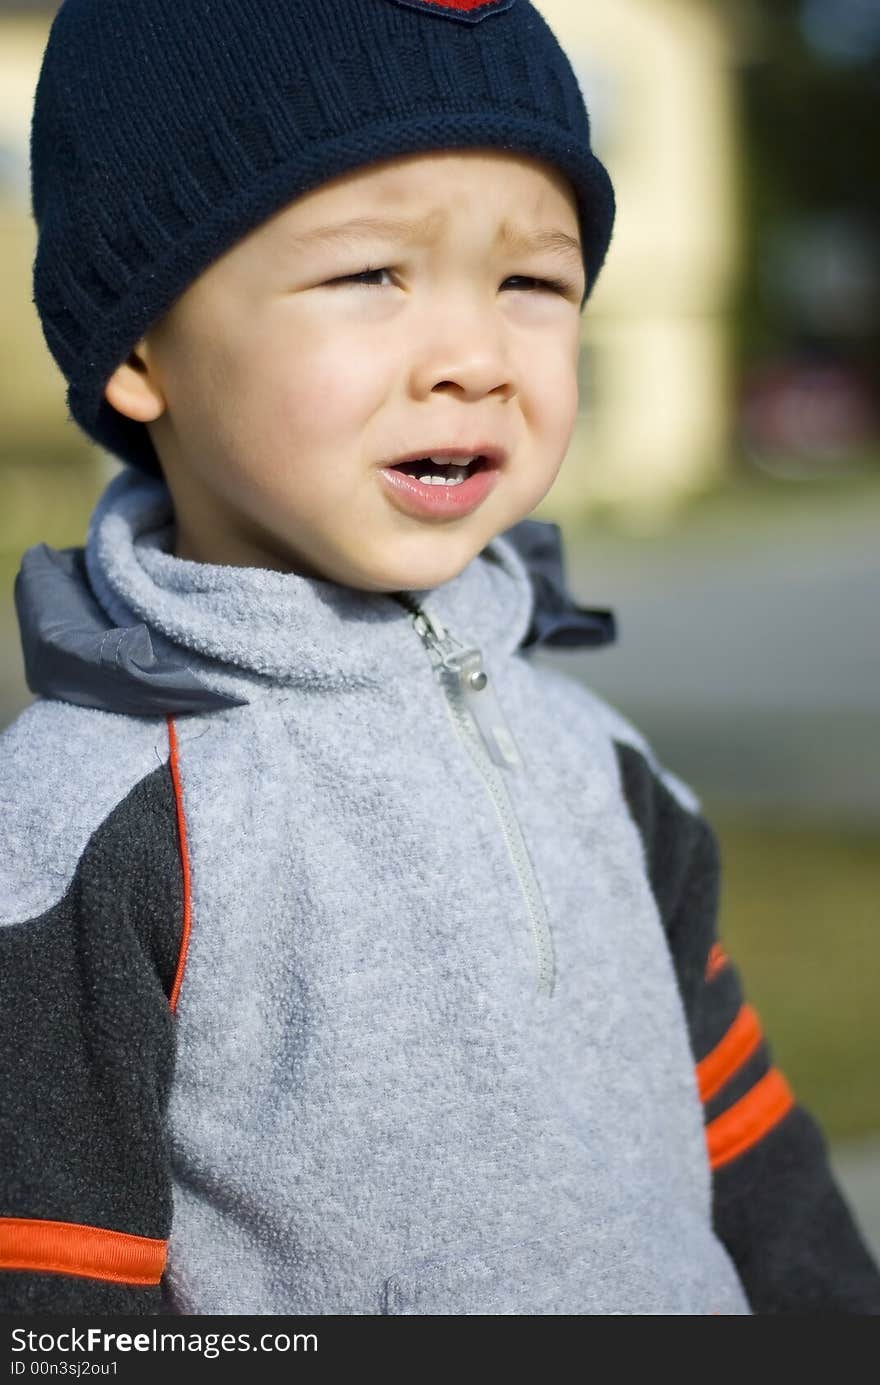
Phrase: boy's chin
(423, 571)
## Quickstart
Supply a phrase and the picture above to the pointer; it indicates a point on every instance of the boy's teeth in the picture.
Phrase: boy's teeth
(457, 474)
(437, 471)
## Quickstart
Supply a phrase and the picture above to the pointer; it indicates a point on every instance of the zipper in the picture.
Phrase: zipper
(481, 725)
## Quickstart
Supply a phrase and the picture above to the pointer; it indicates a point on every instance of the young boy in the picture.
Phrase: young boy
(352, 963)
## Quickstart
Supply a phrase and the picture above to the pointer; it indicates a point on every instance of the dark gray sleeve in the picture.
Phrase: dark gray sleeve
(86, 1059)
(776, 1205)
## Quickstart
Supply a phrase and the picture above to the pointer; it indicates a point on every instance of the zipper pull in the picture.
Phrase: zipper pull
(438, 640)
(484, 707)
(465, 667)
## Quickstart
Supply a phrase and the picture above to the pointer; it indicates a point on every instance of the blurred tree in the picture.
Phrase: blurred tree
(810, 80)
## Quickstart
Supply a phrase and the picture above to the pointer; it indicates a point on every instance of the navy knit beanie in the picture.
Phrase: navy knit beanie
(164, 130)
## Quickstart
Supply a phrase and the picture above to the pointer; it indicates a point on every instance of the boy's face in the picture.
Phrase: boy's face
(278, 386)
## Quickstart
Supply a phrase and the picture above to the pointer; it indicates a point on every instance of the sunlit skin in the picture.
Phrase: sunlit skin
(275, 388)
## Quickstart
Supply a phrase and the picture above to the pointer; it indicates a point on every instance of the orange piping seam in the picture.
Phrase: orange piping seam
(89, 1252)
(716, 961)
(749, 1119)
(738, 1044)
(184, 862)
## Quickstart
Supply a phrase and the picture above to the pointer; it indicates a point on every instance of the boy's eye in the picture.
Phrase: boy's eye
(365, 275)
(554, 285)
(361, 277)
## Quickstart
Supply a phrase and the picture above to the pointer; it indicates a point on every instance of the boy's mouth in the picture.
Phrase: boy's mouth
(443, 485)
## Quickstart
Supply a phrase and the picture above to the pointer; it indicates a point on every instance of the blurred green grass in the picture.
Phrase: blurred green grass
(799, 917)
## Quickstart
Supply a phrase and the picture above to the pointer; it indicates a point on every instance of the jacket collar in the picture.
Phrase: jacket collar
(122, 625)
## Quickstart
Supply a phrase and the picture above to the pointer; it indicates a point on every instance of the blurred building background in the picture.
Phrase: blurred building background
(722, 490)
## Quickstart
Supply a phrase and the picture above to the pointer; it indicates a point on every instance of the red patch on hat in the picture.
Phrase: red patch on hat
(468, 11)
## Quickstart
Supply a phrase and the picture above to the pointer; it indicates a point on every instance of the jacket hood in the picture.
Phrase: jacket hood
(81, 644)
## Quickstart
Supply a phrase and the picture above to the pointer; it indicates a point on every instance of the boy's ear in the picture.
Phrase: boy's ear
(133, 388)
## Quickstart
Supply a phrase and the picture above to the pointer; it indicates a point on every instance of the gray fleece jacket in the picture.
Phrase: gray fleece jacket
(368, 966)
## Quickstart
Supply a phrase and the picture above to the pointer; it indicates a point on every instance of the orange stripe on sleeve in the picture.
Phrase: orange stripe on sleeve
(184, 863)
(716, 961)
(738, 1044)
(749, 1119)
(58, 1247)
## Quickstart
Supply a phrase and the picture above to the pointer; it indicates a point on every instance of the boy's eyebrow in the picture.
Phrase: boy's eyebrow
(511, 237)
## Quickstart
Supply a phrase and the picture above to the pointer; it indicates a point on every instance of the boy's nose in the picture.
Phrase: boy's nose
(470, 363)
(474, 380)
